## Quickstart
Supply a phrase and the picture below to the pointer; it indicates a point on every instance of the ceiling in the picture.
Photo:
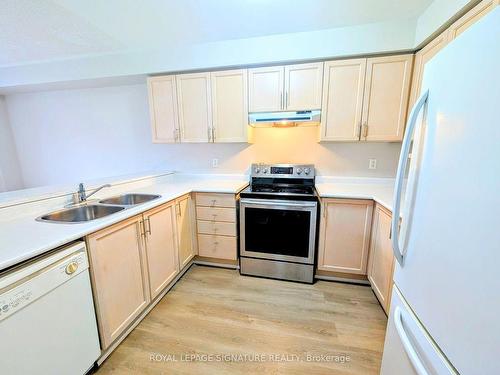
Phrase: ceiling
(47, 30)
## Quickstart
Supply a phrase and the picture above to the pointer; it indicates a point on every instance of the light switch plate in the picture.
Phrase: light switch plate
(372, 163)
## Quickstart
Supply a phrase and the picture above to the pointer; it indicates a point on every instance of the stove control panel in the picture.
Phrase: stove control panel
(283, 170)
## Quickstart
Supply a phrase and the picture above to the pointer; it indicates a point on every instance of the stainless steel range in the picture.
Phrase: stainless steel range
(278, 222)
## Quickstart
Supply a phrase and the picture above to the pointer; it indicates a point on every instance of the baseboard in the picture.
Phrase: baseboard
(342, 279)
(216, 262)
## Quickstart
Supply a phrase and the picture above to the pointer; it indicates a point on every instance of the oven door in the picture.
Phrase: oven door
(278, 229)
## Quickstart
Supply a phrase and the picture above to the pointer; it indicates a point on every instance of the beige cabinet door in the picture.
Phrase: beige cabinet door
(195, 108)
(185, 231)
(385, 103)
(422, 57)
(381, 259)
(469, 18)
(161, 247)
(119, 277)
(230, 105)
(345, 235)
(343, 85)
(303, 83)
(163, 109)
(265, 89)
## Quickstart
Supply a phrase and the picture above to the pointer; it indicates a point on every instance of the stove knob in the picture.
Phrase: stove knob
(299, 170)
(264, 170)
(257, 170)
(307, 170)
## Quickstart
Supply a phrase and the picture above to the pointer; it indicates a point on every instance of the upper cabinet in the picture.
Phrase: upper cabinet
(282, 88)
(265, 89)
(195, 107)
(229, 105)
(343, 85)
(366, 99)
(470, 17)
(163, 109)
(385, 101)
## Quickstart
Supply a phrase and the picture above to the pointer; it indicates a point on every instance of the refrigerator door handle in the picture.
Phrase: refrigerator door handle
(410, 350)
(398, 187)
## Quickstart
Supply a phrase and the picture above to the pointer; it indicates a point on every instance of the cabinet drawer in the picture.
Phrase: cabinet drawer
(216, 227)
(215, 200)
(216, 214)
(217, 246)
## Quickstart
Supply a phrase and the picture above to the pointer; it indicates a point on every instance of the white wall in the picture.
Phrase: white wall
(10, 173)
(71, 135)
(364, 39)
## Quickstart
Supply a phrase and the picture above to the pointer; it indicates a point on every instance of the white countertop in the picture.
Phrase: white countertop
(381, 190)
(22, 237)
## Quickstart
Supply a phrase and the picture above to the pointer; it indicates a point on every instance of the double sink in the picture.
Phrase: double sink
(92, 211)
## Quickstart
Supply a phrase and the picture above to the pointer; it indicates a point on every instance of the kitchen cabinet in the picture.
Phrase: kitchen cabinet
(303, 86)
(469, 18)
(344, 235)
(195, 107)
(385, 101)
(422, 57)
(216, 226)
(285, 88)
(184, 216)
(163, 109)
(131, 263)
(381, 259)
(365, 99)
(229, 105)
(343, 85)
(161, 247)
(120, 277)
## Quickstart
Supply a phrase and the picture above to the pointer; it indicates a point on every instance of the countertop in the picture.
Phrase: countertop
(22, 237)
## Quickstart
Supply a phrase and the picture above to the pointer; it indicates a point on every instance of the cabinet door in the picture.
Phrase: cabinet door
(161, 247)
(381, 259)
(471, 17)
(265, 89)
(345, 235)
(230, 105)
(163, 109)
(303, 83)
(195, 108)
(387, 86)
(119, 275)
(185, 230)
(343, 85)
(422, 57)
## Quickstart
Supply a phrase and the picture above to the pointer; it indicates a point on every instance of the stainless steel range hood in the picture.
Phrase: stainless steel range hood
(284, 119)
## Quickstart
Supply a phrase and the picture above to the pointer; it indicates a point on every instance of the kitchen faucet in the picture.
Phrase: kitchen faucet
(83, 196)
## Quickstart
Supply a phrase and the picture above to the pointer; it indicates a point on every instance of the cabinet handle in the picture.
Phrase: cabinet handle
(358, 130)
(178, 209)
(149, 226)
(213, 134)
(143, 226)
(213, 202)
(365, 130)
(287, 100)
(208, 134)
(281, 99)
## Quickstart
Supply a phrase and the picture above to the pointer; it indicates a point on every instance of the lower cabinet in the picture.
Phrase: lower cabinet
(344, 235)
(184, 214)
(131, 263)
(381, 260)
(120, 276)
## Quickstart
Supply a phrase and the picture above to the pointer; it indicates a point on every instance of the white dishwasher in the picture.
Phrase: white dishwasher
(47, 318)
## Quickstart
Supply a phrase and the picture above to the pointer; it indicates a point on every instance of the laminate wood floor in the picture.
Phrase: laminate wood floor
(214, 321)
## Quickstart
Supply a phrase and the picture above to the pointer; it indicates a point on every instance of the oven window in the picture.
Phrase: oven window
(274, 231)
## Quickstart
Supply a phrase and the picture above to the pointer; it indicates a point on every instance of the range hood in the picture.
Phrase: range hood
(284, 119)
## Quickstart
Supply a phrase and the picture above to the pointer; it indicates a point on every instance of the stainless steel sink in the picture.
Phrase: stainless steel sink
(130, 199)
(80, 214)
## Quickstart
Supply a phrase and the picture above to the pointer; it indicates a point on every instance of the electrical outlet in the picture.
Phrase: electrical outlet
(215, 163)
(372, 163)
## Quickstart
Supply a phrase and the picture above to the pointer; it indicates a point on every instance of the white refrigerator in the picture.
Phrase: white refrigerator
(445, 309)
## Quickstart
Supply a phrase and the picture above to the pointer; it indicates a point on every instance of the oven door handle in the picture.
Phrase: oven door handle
(277, 202)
